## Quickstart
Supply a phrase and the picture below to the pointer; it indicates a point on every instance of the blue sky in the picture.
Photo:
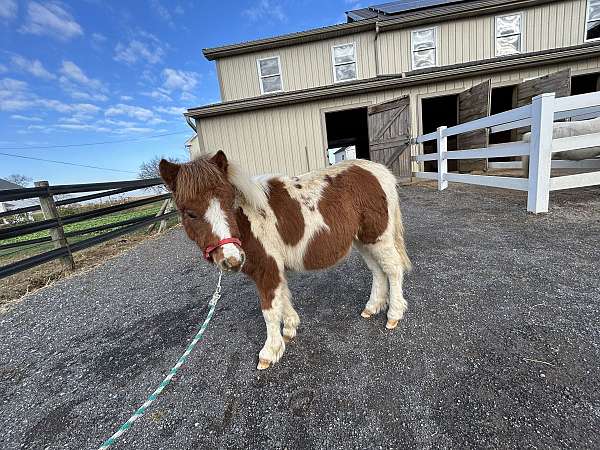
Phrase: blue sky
(90, 71)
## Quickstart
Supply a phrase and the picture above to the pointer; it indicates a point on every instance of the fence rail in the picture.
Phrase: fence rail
(54, 222)
(541, 114)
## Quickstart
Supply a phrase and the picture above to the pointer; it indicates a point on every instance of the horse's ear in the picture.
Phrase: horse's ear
(168, 172)
(220, 160)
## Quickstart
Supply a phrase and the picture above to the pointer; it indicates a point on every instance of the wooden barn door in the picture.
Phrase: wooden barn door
(474, 103)
(389, 136)
(558, 82)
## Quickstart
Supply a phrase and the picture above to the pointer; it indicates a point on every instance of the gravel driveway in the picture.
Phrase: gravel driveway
(499, 349)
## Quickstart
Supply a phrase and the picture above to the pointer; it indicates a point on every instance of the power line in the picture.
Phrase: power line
(66, 163)
(94, 143)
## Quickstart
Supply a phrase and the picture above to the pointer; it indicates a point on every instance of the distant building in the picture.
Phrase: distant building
(192, 146)
(341, 154)
(15, 204)
(392, 72)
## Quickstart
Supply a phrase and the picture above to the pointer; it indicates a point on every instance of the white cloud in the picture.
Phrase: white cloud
(50, 19)
(98, 38)
(119, 123)
(171, 110)
(26, 118)
(187, 97)
(15, 96)
(73, 72)
(80, 95)
(162, 12)
(179, 80)
(79, 85)
(265, 10)
(135, 112)
(32, 66)
(158, 94)
(3, 68)
(82, 127)
(8, 9)
(145, 48)
(127, 130)
(126, 98)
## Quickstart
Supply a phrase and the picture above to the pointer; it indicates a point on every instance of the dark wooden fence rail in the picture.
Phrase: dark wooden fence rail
(54, 222)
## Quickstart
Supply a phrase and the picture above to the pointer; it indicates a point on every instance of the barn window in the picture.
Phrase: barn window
(344, 62)
(269, 73)
(424, 48)
(509, 34)
(592, 29)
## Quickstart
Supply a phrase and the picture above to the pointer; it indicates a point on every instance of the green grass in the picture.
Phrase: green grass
(11, 253)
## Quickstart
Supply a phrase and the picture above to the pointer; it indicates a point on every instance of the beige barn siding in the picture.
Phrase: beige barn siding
(558, 24)
(291, 139)
(303, 66)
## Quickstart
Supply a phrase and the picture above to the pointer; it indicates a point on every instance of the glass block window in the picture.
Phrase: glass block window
(424, 48)
(592, 23)
(269, 74)
(509, 34)
(344, 62)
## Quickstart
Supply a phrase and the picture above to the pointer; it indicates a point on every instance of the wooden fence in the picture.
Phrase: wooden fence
(54, 222)
(540, 115)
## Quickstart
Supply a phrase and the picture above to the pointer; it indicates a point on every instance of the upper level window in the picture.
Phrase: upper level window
(269, 73)
(592, 25)
(509, 34)
(424, 48)
(344, 62)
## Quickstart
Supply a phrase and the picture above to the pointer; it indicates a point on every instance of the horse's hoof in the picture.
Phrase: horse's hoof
(263, 364)
(391, 324)
(366, 314)
(287, 339)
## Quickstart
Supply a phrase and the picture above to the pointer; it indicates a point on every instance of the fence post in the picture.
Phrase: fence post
(57, 234)
(442, 160)
(540, 153)
(163, 223)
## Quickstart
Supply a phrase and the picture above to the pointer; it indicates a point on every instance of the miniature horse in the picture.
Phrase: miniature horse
(266, 225)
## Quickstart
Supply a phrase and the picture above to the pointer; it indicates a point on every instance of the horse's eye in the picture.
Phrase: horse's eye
(191, 214)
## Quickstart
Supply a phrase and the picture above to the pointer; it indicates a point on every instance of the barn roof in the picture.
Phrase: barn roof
(5, 184)
(370, 19)
(394, 8)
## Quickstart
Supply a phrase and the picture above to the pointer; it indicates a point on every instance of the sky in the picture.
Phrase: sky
(120, 73)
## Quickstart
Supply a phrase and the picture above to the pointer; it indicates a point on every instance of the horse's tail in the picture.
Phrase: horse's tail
(399, 239)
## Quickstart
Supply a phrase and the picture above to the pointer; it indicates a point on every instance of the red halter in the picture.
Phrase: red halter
(211, 248)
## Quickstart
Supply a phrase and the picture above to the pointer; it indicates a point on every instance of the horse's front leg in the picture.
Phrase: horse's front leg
(273, 303)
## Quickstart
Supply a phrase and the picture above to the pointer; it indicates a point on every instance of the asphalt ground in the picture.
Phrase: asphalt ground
(499, 347)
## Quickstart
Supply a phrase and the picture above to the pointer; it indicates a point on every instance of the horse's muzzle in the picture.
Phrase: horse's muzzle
(233, 264)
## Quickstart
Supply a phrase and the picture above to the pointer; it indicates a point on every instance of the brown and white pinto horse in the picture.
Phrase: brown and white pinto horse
(269, 224)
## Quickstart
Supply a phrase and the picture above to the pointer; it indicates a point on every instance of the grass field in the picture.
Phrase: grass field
(11, 254)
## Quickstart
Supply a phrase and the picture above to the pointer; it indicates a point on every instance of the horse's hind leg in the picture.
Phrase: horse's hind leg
(378, 299)
(386, 254)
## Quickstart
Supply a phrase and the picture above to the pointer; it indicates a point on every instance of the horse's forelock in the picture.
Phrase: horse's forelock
(195, 178)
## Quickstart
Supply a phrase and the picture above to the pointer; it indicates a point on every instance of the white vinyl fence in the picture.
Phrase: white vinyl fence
(541, 114)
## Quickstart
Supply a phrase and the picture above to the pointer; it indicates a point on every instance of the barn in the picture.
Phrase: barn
(392, 72)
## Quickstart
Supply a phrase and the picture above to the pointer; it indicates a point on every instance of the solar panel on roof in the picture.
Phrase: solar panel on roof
(408, 5)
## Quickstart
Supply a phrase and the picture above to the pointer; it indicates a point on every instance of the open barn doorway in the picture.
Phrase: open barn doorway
(584, 84)
(435, 112)
(503, 99)
(347, 134)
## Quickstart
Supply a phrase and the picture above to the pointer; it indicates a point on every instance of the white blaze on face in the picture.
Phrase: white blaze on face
(215, 216)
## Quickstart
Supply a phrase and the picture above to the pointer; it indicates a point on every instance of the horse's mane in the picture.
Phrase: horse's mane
(199, 174)
(252, 191)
